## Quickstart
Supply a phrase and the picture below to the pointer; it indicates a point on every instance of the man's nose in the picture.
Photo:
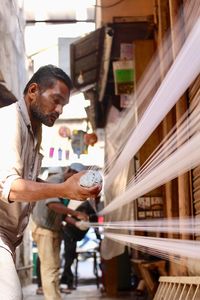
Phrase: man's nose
(59, 109)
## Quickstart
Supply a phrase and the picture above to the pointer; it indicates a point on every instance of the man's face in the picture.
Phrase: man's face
(48, 104)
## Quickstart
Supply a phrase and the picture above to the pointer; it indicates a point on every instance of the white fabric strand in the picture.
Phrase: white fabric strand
(158, 108)
(186, 225)
(159, 246)
(175, 165)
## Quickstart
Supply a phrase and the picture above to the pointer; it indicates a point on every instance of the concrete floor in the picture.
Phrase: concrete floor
(86, 289)
(83, 292)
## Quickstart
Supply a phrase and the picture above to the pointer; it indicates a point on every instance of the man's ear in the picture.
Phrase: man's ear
(33, 90)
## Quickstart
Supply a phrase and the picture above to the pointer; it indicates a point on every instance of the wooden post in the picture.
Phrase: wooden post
(181, 106)
(168, 122)
(111, 277)
(170, 188)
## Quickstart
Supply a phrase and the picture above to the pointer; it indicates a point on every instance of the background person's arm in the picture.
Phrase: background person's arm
(62, 209)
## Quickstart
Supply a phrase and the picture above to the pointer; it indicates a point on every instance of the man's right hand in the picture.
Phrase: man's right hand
(73, 190)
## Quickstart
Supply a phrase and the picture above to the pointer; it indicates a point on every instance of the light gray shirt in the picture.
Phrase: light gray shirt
(20, 157)
(45, 217)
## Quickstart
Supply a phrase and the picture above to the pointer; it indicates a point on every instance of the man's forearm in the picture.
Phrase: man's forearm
(70, 220)
(27, 190)
(61, 208)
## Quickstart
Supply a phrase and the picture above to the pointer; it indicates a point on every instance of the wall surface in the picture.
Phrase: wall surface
(12, 51)
(106, 10)
(12, 67)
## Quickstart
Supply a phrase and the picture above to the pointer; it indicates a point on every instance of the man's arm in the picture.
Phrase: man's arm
(26, 190)
(82, 225)
(62, 209)
(70, 220)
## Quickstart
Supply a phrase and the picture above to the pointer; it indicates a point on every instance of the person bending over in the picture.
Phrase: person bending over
(45, 95)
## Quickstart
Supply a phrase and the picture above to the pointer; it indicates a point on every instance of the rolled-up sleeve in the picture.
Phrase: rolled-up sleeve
(11, 166)
(6, 186)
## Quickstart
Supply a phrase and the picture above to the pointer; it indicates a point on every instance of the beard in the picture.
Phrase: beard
(46, 119)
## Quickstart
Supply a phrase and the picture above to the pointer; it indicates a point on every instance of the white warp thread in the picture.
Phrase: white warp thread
(165, 98)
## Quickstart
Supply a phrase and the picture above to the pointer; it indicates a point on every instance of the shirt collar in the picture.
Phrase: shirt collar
(24, 111)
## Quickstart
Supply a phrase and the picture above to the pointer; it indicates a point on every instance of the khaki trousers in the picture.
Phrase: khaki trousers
(49, 254)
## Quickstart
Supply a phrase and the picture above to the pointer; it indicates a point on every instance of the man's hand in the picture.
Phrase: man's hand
(73, 190)
(82, 225)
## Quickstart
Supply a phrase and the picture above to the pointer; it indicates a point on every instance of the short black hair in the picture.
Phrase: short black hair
(46, 76)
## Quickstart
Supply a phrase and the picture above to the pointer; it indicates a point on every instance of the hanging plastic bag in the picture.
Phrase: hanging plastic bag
(123, 77)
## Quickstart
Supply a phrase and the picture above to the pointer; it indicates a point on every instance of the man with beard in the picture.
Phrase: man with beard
(45, 95)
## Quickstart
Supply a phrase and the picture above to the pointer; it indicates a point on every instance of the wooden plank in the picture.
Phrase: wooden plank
(86, 58)
(181, 279)
(87, 44)
(88, 63)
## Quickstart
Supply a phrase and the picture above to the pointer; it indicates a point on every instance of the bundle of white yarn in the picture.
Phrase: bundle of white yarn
(91, 178)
